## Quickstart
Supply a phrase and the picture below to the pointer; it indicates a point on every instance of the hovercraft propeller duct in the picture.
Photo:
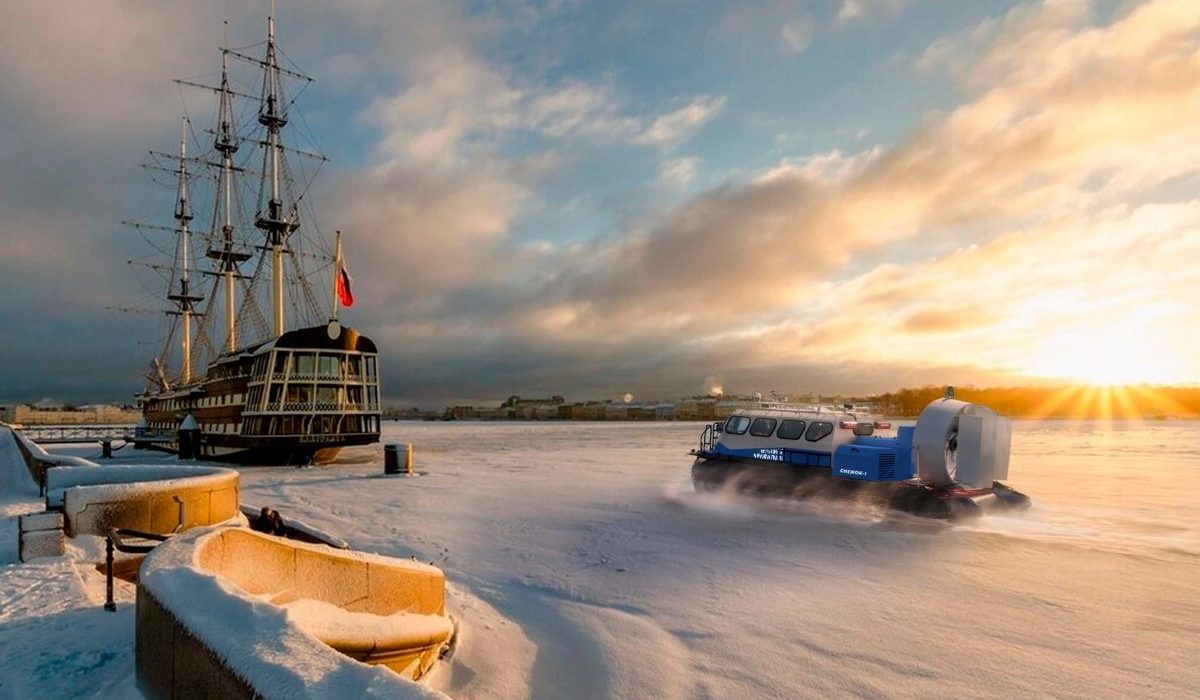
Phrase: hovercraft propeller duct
(956, 442)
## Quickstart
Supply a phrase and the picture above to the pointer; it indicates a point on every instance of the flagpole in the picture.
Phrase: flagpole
(337, 273)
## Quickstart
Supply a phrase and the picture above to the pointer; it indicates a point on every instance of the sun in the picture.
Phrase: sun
(1109, 355)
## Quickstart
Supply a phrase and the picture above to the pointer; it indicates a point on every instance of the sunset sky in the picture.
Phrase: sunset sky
(597, 198)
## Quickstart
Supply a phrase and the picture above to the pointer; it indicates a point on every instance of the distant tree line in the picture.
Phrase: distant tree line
(1142, 401)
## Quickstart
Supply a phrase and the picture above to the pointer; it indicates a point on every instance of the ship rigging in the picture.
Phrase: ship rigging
(301, 386)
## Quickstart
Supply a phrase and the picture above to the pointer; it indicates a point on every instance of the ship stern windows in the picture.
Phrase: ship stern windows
(304, 367)
(316, 392)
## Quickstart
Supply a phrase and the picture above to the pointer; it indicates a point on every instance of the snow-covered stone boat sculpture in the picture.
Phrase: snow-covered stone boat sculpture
(949, 465)
(229, 612)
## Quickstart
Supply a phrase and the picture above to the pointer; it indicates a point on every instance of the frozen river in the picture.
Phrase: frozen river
(583, 565)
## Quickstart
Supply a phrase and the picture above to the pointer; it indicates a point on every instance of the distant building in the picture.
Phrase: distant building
(616, 411)
(515, 401)
(592, 410)
(697, 408)
(693, 408)
(545, 412)
(640, 412)
(499, 413)
(98, 414)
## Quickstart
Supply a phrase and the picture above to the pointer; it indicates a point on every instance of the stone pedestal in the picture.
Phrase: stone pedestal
(41, 535)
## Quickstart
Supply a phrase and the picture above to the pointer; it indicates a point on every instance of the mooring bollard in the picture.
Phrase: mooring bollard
(189, 438)
(398, 458)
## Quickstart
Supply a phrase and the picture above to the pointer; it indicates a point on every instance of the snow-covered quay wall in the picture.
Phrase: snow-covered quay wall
(23, 462)
(159, 499)
(228, 612)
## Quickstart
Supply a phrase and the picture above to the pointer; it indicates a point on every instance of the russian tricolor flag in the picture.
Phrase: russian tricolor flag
(344, 293)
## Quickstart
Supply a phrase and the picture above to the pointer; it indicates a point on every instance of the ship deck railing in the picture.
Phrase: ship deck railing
(779, 410)
(710, 436)
(317, 376)
(310, 407)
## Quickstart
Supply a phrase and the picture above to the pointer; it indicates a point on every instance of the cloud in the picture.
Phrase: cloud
(1052, 137)
(59, 69)
(1004, 302)
(960, 250)
(785, 24)
(457, 105)
(414, 236)
(730, 253)
(452, 95)
(678, 172)
(757, 279)
(853, 10)
(580, 109)
(797, 34)
(947, 319)
(831, 167)
(672, 128)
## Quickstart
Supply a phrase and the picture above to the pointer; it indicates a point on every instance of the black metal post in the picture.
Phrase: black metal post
(109, 604)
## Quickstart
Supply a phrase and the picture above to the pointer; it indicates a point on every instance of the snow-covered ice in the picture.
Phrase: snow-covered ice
(581, 564)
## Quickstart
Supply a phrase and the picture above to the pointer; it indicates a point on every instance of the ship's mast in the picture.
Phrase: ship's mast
(226, 145)
(277, 216)
(184, 299)
(337, 273)
(272, 221)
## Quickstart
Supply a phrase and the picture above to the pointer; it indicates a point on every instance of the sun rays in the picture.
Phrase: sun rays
(1110, 402)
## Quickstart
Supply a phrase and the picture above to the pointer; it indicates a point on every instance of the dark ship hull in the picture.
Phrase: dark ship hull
(297, 399)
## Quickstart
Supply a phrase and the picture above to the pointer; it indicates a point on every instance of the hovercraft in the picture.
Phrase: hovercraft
(949, 465)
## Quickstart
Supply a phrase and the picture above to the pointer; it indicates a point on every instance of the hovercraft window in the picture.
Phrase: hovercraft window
(763, 427)
(737, 425)
(790, 430)
(818, 431)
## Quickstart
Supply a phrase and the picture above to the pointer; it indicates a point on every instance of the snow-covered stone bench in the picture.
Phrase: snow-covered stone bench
(158, 499)
(235, 613)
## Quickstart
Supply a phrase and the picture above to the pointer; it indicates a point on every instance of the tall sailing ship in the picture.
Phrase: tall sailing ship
(291, 391)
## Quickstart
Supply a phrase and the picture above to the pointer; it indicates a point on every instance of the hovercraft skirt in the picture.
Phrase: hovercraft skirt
(714, 471)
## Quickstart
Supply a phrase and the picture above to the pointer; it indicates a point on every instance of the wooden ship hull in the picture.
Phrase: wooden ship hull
(297, 399)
